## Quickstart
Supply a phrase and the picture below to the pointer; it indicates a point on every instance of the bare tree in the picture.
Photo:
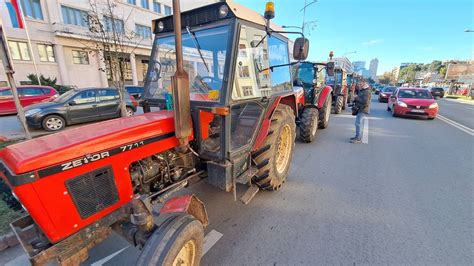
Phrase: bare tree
(111, 41)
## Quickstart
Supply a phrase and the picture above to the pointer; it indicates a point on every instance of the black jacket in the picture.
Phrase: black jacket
(363, 100)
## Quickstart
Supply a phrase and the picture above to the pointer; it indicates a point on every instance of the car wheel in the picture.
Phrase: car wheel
(53, 123)
(130, 111)
(431, 118)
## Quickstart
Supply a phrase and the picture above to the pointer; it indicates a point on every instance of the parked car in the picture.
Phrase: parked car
(135, 91)
(437, 92)
(413, 102)
(28, 94)
(385, 93)
(78, 106)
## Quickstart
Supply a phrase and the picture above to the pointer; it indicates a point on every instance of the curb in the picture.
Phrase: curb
(7, 241)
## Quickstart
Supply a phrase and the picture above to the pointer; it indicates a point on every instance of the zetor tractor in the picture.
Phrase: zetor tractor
(225, 72)
(316, 108)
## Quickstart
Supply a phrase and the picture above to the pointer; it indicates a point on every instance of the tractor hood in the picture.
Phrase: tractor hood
(86, 142)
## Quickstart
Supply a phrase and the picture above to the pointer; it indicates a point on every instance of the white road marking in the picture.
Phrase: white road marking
(19, 261)
(210, 240)
(365, 135)
(466, 129)
(104, 260)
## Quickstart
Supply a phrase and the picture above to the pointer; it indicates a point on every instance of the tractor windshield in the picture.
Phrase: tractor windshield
(204, 54)
(305, 74)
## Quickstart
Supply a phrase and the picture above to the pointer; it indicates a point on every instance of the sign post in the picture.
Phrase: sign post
(7, 64)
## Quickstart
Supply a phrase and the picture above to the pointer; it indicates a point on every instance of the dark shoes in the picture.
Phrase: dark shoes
(356, 140)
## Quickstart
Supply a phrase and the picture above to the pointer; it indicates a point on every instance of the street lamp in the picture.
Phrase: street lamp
(468, 30)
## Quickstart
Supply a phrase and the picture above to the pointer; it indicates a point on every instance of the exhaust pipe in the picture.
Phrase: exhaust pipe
(180, 84)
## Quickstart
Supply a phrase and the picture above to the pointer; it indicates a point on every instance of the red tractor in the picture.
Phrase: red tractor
(224, 70)
(316, 109)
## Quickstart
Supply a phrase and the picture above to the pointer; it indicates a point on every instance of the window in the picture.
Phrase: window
(250, 81)
(280, 76)
(168, 10)
(113, 24)
(7, 92)
(46, 53)
(156, 7)
(107, 95)
(132, 2)
(30, 91)
(80, 57)
(32, 9)
(19, 50)
(85, 97)
(143, 31)
(74, 16)
(145, 4)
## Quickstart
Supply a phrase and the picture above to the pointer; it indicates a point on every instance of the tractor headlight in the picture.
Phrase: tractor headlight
(433, 105)
(32, 112)
(161, 26)
(402, 104)
(223, 11)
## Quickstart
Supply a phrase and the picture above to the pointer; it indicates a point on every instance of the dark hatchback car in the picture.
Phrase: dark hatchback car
(135, 91)
(437, 92)
(78, 106)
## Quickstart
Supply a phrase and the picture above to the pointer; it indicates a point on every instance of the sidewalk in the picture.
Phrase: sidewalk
(459, 100)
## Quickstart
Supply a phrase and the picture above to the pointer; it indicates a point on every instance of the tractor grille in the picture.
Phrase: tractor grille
(93, 192)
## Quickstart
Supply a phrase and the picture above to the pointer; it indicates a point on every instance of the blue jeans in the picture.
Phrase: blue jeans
(359, 129)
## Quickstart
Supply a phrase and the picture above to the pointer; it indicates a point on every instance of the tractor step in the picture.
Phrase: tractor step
(246, 177)
(249, 194)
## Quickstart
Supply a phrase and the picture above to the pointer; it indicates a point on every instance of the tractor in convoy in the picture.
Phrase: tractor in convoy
(222, 75)
(316, 109)
(338, 80)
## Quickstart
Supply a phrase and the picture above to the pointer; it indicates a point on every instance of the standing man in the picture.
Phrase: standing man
(362, 102)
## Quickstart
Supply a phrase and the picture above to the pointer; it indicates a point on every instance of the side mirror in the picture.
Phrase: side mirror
(71, 103)
(301, 49)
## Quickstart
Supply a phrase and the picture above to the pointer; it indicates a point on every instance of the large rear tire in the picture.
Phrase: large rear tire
(274, 156)
(339, 104)
(177, 241)
(309, 124)
(325, 113)
(344, 102)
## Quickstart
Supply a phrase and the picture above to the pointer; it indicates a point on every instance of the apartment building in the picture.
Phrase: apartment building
(61, 40)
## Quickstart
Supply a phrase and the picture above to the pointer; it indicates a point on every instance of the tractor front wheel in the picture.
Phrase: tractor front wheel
(177, 241)
(339, 104)
(309, 124)
(324, 113)
(274, 156)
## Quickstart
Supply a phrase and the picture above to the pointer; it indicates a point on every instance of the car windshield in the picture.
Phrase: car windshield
(204, 54)
(65, 96)
(418, 94)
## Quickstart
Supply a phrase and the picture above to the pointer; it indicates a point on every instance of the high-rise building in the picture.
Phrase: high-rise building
(358, 65)
(63, 48)
(374, 64)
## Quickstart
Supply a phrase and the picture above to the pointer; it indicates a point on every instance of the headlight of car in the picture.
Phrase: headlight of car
(433, 105)
(402, 104)
(32, 112)
(383, 94)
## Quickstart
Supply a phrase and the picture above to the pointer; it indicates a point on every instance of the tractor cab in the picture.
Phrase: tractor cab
(311, 76)
(238, 64)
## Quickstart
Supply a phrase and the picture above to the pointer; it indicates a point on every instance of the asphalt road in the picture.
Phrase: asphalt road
(405, 197)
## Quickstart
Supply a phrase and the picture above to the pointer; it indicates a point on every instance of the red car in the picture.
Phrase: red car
(415, 102)
(385, 93)
(29, 94)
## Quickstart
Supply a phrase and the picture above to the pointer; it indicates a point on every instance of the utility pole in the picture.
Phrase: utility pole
(304, 13)
(7, 64)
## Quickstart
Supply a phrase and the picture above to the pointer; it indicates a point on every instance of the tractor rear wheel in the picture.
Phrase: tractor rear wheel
(344, 102)
(339, 104)
(309, 124)
(177, 241)
(325, 112)
(274, 156)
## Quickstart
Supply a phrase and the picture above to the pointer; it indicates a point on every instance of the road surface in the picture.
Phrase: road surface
(403, 197)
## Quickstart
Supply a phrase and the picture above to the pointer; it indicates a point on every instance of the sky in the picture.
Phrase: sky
(394, 31)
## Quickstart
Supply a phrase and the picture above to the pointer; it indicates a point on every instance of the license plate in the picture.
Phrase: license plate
(418, 111)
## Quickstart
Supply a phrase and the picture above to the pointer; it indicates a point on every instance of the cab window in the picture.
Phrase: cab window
(278, 55)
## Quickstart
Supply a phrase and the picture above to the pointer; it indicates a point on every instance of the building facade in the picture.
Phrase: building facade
(358, 65)
(374, 64)
(62, 45)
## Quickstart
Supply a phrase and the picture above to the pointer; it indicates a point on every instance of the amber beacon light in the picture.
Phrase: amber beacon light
(269, 10)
